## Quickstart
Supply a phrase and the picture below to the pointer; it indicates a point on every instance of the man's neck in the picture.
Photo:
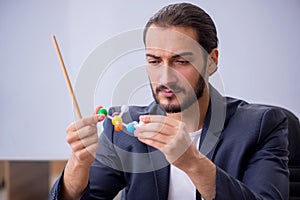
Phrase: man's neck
(194, 116)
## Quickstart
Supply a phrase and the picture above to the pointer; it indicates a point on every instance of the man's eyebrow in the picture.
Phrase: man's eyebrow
(183, 54)
(173, 56)
(153, 56)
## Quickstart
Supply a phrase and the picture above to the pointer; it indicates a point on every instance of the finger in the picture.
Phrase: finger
(72, 136)
(87, 131)
(159, 119)
(88, 153)
(81, 133)
(92, 149)
(96, 109)
(144, 134)
(164, 139)
(88, 141)
(156, 127)
(92, 120)
(84, 143)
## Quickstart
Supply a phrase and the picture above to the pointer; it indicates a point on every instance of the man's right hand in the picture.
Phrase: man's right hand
(82, 137)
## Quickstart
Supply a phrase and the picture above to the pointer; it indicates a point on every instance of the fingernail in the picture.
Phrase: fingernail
(100, 117)
(142, 117)
(97, 109)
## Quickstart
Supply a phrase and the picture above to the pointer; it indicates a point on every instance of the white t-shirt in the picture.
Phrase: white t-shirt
(181, 186)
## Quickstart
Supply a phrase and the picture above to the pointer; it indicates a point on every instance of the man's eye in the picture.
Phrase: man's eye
(182, 62)
(153, 62)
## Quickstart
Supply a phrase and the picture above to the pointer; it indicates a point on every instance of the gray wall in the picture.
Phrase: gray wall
(259, 60)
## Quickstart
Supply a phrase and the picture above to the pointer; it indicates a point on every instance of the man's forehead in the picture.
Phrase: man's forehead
(175, 51)
(174, 40)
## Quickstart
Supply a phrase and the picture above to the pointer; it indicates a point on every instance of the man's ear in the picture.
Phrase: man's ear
(213, 59)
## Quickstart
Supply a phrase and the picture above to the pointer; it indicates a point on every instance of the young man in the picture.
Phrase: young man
(205, 146)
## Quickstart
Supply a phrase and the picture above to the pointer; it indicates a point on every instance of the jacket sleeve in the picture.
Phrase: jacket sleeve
(105, 181)
(266, 172)
(54, 192)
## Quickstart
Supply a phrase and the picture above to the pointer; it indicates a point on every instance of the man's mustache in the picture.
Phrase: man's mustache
(174, 88)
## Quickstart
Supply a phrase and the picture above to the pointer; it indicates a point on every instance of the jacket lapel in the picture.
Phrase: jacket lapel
(161, 170)
(160, 166)
(213, 124)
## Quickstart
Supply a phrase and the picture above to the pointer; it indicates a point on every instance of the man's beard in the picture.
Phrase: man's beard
(189, 99)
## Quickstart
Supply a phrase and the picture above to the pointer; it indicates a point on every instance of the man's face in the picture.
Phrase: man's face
(175, 65)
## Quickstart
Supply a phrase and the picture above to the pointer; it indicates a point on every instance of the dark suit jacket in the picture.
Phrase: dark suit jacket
(247, 142)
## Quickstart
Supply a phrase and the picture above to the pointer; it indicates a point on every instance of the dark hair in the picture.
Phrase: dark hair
(187, 15)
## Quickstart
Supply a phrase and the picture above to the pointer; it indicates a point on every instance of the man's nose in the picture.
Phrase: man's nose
(168, 75)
